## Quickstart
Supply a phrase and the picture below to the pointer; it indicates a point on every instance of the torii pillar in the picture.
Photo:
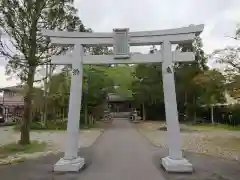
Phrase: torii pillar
(175, 161)
(71, 161)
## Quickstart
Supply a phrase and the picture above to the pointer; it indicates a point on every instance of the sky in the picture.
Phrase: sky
(220, 18)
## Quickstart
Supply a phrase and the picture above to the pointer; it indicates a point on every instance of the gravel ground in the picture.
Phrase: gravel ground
(54, 139)
(219, 143)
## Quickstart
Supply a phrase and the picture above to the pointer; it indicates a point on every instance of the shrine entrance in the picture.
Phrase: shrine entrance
(120, 106)
(116, 103)
(121, 39)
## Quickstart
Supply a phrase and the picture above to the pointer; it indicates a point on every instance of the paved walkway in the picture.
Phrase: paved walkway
(122, 153)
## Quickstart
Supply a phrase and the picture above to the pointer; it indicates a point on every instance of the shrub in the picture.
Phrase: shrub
(50, 125)
(58, 124)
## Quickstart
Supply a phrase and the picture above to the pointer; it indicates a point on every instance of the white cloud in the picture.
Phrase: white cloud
(219, 16)
(4, 79)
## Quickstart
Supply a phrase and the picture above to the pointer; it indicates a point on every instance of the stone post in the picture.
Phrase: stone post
(175, 161)
(71, 161)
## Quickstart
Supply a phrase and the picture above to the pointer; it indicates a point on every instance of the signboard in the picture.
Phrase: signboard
(121, 46)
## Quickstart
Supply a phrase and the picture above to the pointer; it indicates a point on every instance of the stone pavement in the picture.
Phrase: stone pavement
(121, 153)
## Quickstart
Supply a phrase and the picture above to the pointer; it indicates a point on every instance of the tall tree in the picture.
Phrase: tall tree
(233, 85)
(147, 86)
(229, 56)
(98, 84)
(22, 22)
(59, 89)
(186, 89)
(121, 76)
(212, 83)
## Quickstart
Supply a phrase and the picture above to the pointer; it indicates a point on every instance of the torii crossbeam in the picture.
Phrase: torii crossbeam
(121, 39)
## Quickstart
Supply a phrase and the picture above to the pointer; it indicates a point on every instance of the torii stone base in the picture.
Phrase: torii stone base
(72, 165)
(171, 165)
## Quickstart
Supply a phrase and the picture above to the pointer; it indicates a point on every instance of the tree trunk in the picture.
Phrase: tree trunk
(186, 105)
(63, 114)
(195, 116)
(195, 113)
(86, 114)
(90, 120)
(53, 116)
(144, 111)
(32, 63)
(45, 99)
(212, 116)
(25, 125)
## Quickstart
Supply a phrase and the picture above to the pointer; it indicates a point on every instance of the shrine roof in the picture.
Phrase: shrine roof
(113, 97)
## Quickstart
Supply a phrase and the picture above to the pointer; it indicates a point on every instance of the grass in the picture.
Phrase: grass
(209, 127)
(14, 148)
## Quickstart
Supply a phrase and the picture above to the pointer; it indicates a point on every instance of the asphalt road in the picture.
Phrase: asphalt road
(122, 153)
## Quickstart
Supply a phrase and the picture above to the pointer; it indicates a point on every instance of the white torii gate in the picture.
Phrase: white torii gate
(121, 39)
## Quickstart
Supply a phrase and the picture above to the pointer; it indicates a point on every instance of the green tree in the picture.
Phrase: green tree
(233, 85)
(22, 22)
(147, 86)
(186, 89)
(212, 83)
(229, 57)
(98, 84)
(59, 89)
(121, 76)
